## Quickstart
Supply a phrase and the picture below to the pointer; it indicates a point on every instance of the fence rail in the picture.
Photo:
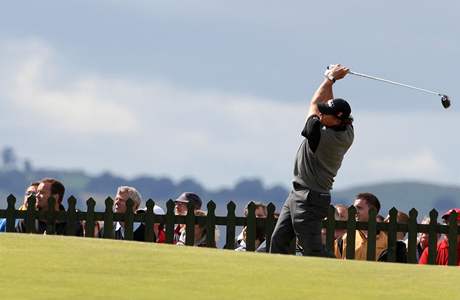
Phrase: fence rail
(71, 216)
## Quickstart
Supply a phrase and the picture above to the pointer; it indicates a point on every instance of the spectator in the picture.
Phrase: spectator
(180, 209)
(401, 248)
(123, 194)
(340, 214)
(442, 257)
(363, 203)
(423, 239)
(260, 212)
(200, 233)
(50, 187)
(31, 190)
(158, 229)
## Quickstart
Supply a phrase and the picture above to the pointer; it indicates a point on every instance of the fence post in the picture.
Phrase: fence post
(10, 214)
(211, 225)
(251, 227)
(128, 220)
(170, 222)
(453, 231)
(392, 235)
(330, 229)
(351, 233)
(371, 234)
(51, 216)
(89, 220)
(71, 216)
(412, 242)
(231, 223)
(269, 225)
(148, 220)
(190, 225)
(433, 237)
(108, 219)
(31, 214)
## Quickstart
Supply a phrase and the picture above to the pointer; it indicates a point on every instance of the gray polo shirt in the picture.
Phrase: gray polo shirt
(320, 155)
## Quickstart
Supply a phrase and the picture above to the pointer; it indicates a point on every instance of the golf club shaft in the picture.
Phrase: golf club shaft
(395, 83)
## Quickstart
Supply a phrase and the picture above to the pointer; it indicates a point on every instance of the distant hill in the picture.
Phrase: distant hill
(402, 195)
(99, 187)
(407, 195)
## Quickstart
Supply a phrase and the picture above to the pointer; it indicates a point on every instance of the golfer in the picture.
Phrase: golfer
(328, 134)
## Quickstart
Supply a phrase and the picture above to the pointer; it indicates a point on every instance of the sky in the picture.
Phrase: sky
(219, 90)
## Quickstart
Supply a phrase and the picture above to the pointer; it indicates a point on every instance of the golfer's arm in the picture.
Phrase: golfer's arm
(322, 94)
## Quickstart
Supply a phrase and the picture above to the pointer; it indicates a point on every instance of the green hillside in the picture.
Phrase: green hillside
(49, 267)
(403, 195)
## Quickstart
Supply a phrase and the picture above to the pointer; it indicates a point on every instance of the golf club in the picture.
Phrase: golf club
(445, 101)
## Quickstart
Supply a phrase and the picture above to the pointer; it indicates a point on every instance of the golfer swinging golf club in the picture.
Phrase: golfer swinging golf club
(328, 135)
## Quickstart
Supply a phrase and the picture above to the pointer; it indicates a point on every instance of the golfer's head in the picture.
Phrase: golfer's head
(335, 112)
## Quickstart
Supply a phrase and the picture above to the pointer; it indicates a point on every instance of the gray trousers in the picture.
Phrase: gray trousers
(301, 217)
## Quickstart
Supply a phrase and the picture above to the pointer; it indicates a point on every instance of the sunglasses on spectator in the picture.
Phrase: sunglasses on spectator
(30, 193)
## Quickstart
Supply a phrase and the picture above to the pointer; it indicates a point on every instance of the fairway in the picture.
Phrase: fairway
(50, 267)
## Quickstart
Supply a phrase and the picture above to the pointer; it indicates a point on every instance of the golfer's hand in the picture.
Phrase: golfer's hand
(338, 71)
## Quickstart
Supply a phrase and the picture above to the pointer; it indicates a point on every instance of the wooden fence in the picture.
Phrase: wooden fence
(230, 221)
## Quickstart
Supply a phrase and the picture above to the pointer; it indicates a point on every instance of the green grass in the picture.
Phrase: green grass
(48, 267)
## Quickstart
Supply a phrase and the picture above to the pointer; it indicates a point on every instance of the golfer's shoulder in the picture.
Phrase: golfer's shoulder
(312, 127)
(313, 119)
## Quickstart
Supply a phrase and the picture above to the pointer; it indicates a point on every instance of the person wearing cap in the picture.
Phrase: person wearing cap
(182, 201)
(328, 134)
(442, 256)
(180, 209)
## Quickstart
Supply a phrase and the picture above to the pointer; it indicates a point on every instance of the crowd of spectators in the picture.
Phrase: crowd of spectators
(363, 202)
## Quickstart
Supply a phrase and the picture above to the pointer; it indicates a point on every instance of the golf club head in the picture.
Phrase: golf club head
(445, 101)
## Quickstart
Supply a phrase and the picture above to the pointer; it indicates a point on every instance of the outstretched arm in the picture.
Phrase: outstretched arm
(324, 91)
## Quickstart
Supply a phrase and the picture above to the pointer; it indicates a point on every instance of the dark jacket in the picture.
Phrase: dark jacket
(60, 227)
(401, 253)
(138, 234)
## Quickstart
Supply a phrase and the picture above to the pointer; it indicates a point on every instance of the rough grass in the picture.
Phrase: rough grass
(49, 267)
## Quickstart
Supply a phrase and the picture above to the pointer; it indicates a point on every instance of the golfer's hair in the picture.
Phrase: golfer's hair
(257, 205)
(35, 183)
(56, 188)
(347, 121)
(371, 200)
(133, 194)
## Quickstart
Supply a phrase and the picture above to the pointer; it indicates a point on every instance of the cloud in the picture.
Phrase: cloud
(408, 165)
(396, 145)
(149, 125)
(34, 87)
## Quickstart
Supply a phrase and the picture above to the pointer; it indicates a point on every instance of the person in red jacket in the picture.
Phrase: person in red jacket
(442, 257)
